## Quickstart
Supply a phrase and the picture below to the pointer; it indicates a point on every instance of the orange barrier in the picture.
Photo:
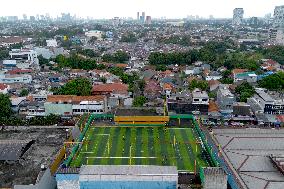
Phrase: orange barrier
(60, 156)
(141, 118)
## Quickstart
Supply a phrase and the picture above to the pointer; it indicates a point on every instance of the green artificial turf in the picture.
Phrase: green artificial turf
(140, 146)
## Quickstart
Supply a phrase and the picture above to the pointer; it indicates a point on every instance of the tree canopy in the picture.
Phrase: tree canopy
(128, 38)
(24, 92)
(139, 101)
(5, 106)
(76, 62)
(273, 82)
(245, 91)
(203, 85)
(117, 57)
(79, 87)
(4, 53)
(275, 52)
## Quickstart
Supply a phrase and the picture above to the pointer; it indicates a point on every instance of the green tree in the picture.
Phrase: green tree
(24, 92)
(42, 60)
(139, 101)
(79, 87)
(103, 79)
(273, 82)
(5, 106)
(161, 68)
(245, 91)
(275, 52)
(117, 57)
(128, 38)
(203, 85)
(141, 84)
(4, 53)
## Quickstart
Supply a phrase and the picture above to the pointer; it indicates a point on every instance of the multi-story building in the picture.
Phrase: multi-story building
(51, 43)
(263, 102)
(238, 16)
(279, 38)
(278, 17)
(68, 105)
(196, 102)
(225, 99)
(16, 78)
(148, 20)
(94, 33)
(23, 55)
(142, 18)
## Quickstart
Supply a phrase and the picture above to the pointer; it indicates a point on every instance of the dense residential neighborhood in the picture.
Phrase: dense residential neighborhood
(174, 95)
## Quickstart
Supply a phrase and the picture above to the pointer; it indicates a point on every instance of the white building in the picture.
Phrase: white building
(23, 55)
(68, 105)
(279, 38)
(94, 33)
(213, 76)
(51, 43)
(16, 78)
(225, 99)
(238, 16)
(278, 17)
(200, 97)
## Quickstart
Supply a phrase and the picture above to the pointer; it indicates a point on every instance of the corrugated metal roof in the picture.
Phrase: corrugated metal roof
(128, 170)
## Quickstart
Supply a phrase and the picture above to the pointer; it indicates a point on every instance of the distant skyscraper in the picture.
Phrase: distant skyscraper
(25, 17)
(148, 20)
(138, 16)
(238, 16)
(278, 17)
(32, 18)
(254, 21)
(12, 18)
(143, 16)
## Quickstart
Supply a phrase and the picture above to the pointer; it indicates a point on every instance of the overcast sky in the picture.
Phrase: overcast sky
(129, 8)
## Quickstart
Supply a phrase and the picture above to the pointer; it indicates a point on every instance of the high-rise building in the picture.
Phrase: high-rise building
(12, 18)
(32, 18)
(143, 16)
(138, 16)
(148, 20)
(278, 17)
(238, 16)
(254, 21)
(25, 17)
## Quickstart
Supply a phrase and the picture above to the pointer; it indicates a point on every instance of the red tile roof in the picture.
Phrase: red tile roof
(213, 107)
(167, 86)
(121, 65)
(3, 86)
(271, 62)
(238, 71)
(73, 98)
(280, 118)
(111, 87)
(19, 71)
(213, 82)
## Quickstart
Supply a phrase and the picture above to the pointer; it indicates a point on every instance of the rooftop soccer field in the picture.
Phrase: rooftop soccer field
(140, 146)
